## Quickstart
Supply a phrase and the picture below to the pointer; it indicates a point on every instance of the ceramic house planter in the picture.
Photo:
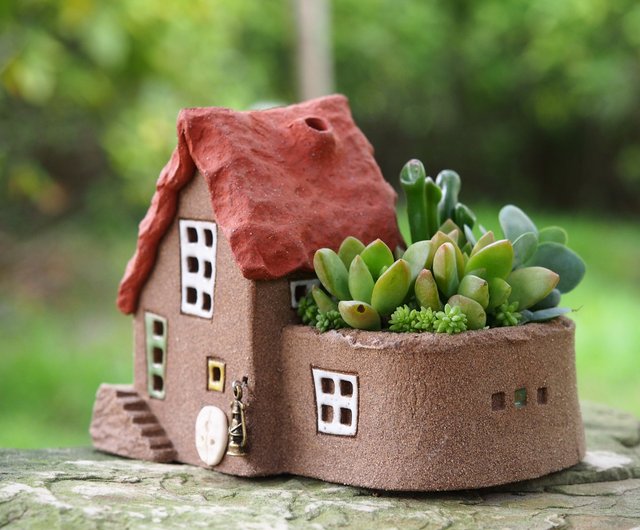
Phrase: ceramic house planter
(225, 379)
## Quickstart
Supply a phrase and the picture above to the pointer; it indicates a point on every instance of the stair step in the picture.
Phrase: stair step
(160, 446)
(152, 431)
(125, 391)
(133, 403)
(165, 455)
(142, 416)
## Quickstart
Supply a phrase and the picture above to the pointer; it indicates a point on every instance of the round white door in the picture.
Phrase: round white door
(211, 435)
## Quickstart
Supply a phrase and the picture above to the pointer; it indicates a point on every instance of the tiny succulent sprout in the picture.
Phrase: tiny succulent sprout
(408, 319)
(451, 320)
(307, 309)
(507, 315)
(329, 320)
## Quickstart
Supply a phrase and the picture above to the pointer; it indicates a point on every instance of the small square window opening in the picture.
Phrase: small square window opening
(543, 395)
(520, 398)
(215, 375)
(498, 401)
(328, 386)
(299, 288)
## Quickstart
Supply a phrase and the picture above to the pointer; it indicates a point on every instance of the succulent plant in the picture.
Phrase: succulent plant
(448, 280)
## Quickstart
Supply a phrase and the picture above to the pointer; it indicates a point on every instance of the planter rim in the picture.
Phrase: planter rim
(389, 339)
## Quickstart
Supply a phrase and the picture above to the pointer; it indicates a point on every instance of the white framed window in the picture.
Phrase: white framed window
(336, 402)
(156, 340)
(300, 288)
(198, 241)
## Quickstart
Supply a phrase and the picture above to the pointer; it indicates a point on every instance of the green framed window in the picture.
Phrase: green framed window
(156, 339)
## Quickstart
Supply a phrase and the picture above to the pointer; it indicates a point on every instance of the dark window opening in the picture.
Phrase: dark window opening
(326, 413)
(158, 328)
(158, 383)
(192, 295)
(345, 416)
(328, 386)
(346, 388)
(216, 374)
(192, 235)
(208, 237)
(543, 395)
(299, 292)
(206, 302)
(158, 354)
(208, 269)
(497, 401)
(192, 264)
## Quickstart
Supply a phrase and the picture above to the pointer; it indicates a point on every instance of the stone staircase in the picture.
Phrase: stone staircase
(124, 425)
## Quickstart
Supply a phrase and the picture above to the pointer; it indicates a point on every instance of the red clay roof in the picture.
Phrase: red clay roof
(283, 182)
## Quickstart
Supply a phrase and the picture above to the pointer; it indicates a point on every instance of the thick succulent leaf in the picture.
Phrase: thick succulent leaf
(332, 273)
(455, 236)
(551, 300)
(449, 182)
(416, 256)
(499, 292)
(561, 260)
(464, 216)
(349, 249)
(529, 285)
(433, 194)
(476, 316)
(437, 241)
(391, 288)
(496, 259)
(543, 315)
(475, 288)
(524, 248)
(427, 291)
(377, 255)
(445, 270)
(323, 300)
(399, 252)
(360, 280)
(448, 226)
(555, 234)
(359, 315)
(471, 238)
(485, 240)
(515, 222)
(412, 180)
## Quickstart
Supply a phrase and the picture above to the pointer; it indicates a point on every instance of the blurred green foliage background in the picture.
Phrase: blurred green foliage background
(536, 103)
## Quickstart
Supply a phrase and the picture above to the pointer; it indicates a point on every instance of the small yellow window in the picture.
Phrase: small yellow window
(215, 375)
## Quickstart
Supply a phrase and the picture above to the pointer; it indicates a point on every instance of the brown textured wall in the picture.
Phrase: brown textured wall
(228, 337)
(425, 414)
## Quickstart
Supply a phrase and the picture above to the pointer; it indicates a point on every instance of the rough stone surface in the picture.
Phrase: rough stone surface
(81, 488)
(282, 182)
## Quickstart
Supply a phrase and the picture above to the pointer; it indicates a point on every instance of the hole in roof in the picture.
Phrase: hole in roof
(317, 124)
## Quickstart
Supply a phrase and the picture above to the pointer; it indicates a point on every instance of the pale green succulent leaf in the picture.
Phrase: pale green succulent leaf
(349, 249)
(359, 315)
(426, 291)
(485, 240)
(360, 280)
(561, 260)
(543, 315)
(377, 255)
(476, 316)
(524, 248)
(529, 285)
(391, 288)
(464, 216)
(445, 270)
(515, 222)
(332, 273)
(496, 258)
(471, 238)
(323, 300)
(555, 234)
(476, 288)
(549, 301)
(416, 256)
(499, 292)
